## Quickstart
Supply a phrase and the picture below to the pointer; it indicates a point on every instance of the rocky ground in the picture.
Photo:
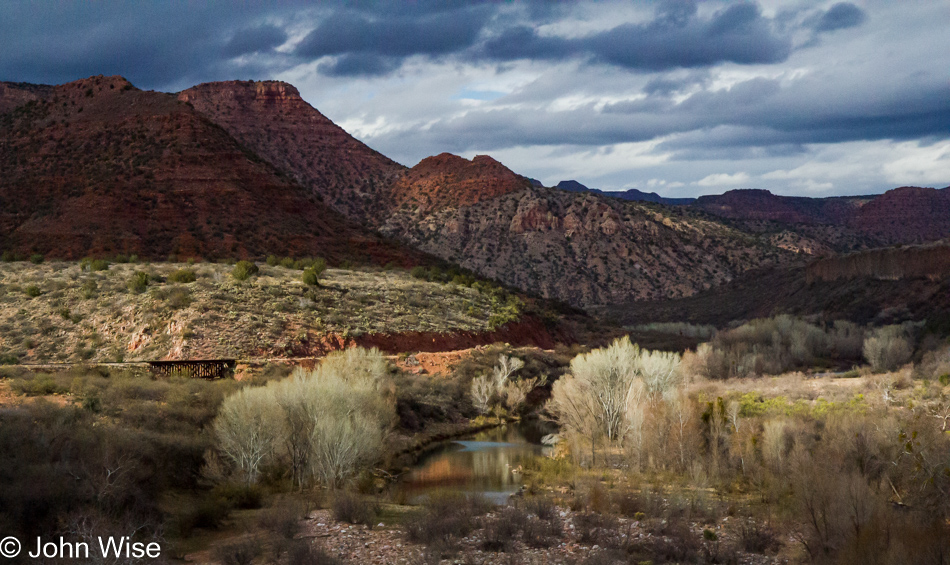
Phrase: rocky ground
(387, 544)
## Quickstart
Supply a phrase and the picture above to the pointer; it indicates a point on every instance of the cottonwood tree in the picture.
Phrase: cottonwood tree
(887, 348)
(490, 392)
(576, 410)
(605, 391)
(482, 390)
(248, 428)
(516, 392)
(329, 422)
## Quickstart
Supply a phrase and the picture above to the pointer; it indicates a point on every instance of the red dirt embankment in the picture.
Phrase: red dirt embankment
(527, 331)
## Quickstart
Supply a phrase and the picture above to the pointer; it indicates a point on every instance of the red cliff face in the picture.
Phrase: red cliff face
(449, 181)
(99, 167)
(272, 120)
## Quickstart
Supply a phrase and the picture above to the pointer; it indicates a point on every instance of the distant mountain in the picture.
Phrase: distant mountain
(631, 194)
(245, 169)
(908, 214)
(99, 167)
(901, 215)
(757, 204)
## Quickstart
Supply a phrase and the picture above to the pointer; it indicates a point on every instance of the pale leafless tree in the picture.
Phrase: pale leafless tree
(248, 428)
(506, 367)
(482, 391)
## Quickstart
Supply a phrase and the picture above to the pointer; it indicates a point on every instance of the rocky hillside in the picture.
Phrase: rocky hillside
(236, 169)
(580, 248)
(61, 312)
(272, 120)
(99, 167)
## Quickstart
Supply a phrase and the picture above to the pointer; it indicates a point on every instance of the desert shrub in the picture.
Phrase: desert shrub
(138, 282)
(608, 391)
(544, 528)
(183, 276)
(444, 518)
(36, 258)
(287, 262)
(40, 384)
(241, 552)
(775, 345)
(89, 288)
(272, 260)
(311, 277)
(935, 365)
(247, 430)
(888, 348)
(32, 291)
(178, 298)
(9, 359)
(678, 328)
(352, 508)
(240, 496)
(244, 270)
(501, 529)
(638, 504)
(594, 528)
(756, 537)
(540, 533)
(302, 552)
(419, 272)
(206, 512)
(90, 264)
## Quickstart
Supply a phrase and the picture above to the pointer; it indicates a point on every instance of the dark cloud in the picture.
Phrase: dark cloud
(359, 64)
(255, 40)
(758, 118)
(155, 45)
(674, 38)
(523, 42)
(666, 85)
(398, 36)
(840, 16)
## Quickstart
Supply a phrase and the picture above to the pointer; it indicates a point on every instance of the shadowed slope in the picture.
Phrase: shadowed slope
(98, 167)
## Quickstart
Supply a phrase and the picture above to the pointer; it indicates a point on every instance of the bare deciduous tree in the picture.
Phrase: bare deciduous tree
(331, 421)
(248, 428)
(605, 392)
(482, 390)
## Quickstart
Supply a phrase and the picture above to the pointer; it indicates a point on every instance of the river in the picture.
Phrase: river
(487, 463)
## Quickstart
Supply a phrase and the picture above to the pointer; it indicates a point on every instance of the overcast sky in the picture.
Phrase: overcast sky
(678, 97)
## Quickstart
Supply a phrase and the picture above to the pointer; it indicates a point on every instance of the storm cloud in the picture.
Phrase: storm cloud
(678, 96)
(674, 38)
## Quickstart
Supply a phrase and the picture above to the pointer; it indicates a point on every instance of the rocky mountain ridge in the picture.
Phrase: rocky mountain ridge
(272, 120)
(244, 168)
(98, 167)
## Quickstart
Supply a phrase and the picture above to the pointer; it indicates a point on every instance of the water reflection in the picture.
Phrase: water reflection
(488, 463)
